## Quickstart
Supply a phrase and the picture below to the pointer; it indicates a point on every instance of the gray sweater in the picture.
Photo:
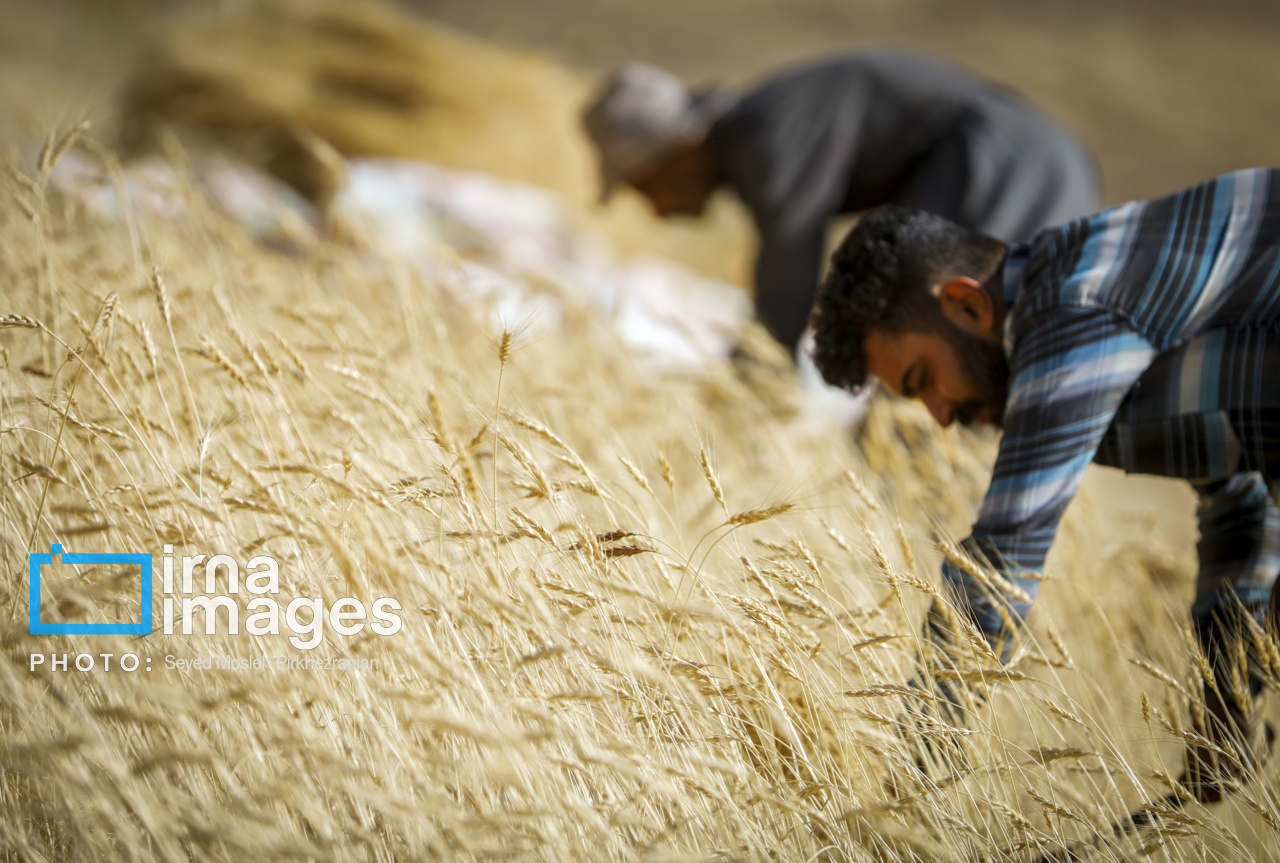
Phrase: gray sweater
(863, 129)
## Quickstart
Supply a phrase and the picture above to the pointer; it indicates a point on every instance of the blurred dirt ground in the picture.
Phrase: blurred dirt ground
(1165, 93)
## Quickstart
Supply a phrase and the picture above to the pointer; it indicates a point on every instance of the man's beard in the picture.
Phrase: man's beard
(983, 364)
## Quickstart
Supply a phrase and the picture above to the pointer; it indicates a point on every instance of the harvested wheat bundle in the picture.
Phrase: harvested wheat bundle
(290, 85)
(367, 79)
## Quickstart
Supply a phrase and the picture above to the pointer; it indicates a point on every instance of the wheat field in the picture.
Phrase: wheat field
(647, 614)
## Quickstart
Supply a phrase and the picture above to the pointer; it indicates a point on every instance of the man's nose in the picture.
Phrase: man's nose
(943, 410)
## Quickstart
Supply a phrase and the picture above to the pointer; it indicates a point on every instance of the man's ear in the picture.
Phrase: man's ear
(968, 305)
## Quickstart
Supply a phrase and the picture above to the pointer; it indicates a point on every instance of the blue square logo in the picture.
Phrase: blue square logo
(143, 627)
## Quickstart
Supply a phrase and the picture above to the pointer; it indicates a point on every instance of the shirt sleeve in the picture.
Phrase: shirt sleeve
(789, 150)
(1070, 372)
(787, 271)
(1239, 546)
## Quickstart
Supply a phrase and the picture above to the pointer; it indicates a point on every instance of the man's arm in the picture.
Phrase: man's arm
(787, 279)
(1239, 546)
(1071, 372)
(789, 151)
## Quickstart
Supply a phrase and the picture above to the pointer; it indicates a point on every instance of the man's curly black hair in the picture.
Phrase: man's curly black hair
(882, 277)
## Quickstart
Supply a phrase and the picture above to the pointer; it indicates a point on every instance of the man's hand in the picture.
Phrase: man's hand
(935, 722)
(941, 661)
(1239, 659)
(1227, 748)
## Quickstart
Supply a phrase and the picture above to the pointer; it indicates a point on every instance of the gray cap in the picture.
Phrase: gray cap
(642, 113)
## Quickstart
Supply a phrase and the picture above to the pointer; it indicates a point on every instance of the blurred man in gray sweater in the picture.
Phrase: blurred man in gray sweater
(839, 136)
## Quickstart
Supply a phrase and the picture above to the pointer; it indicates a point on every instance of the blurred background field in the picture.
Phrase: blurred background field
(651, 613)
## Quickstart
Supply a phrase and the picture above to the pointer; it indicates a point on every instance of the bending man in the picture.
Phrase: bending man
(1145, 337)
(843, 135)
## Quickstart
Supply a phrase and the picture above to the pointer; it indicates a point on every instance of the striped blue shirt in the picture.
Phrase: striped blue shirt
(1138, 337)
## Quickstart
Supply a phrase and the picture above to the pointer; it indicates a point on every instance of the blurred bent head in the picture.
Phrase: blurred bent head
(914, 300)
(651, 132)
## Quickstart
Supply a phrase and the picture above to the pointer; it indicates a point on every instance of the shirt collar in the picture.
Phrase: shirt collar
(1011, 277)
